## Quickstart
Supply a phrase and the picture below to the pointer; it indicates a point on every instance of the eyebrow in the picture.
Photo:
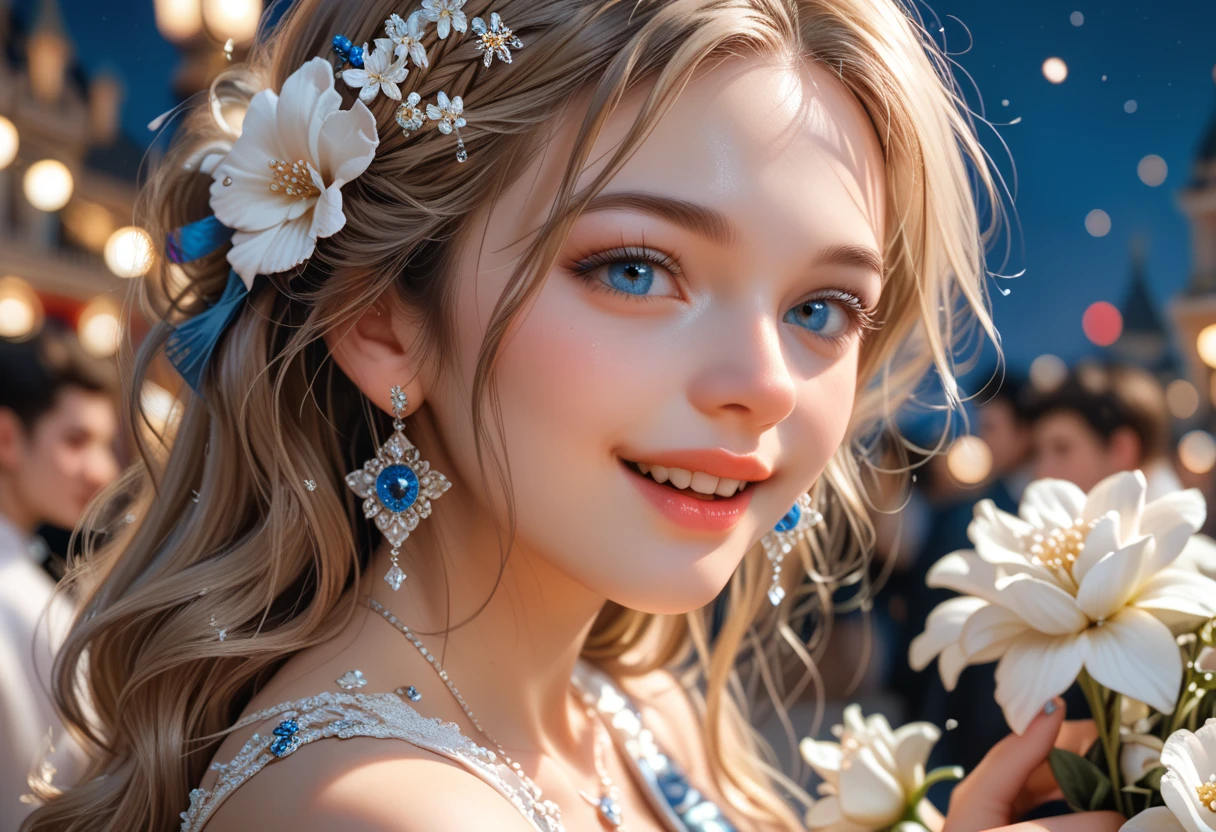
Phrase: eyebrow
(717, 227)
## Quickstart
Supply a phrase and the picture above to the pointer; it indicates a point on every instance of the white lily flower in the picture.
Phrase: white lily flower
(1076, 581)
(871, 775)
(407, 35)
(1188, 785)
(380, 72)
(446, 14)
(1138, 755)
(280, 185)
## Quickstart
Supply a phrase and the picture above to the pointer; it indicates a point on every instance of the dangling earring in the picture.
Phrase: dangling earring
(397, 487)
(778, 543)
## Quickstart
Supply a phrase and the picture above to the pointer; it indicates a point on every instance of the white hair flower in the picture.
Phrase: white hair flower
(380, 72)
(446, 14)
(280, 185)
(1076, 582)
(407, 35)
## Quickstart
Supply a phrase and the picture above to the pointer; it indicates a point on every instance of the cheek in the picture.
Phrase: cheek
(825, 407)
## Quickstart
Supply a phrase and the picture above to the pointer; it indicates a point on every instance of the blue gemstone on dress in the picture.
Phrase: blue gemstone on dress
(397, 488)
(790, 520)
(287, 741)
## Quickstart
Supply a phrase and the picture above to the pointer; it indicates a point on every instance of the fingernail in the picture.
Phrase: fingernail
(1050, 707)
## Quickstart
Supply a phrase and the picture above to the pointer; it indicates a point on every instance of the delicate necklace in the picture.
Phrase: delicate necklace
(608, 804)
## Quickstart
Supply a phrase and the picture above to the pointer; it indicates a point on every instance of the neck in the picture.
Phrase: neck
(14, 511)
(509, 645)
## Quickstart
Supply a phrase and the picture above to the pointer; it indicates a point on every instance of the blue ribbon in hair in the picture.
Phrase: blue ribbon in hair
(190, 346)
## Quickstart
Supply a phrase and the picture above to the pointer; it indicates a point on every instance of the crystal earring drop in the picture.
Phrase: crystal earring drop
(397, 487)
(778, 543)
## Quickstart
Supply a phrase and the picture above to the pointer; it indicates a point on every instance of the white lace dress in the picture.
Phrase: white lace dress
(388, 716)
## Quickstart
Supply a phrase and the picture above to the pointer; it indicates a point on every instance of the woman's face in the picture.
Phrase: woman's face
(705, 314)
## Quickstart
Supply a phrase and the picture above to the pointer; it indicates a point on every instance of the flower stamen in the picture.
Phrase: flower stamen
(1060, 547)
(1207, 793)
(294, 181)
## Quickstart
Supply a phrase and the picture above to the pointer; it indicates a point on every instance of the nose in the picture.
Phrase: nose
(744, 372)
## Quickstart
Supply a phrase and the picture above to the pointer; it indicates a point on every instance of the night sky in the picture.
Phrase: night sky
(1075, 148)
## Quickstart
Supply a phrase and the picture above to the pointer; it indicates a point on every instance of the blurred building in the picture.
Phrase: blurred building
(67, 182)
(1195, 311)
(1145, 341)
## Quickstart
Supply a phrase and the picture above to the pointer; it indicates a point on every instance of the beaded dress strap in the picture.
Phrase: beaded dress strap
(345, 715)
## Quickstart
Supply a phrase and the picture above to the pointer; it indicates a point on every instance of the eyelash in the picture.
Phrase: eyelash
(861, 317)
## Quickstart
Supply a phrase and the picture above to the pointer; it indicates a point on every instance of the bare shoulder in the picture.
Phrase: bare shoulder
(365, 784)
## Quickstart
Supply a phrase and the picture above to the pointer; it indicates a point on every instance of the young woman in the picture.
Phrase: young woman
(635, 278)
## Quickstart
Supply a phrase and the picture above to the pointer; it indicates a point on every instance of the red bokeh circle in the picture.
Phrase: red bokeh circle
(1102, 323)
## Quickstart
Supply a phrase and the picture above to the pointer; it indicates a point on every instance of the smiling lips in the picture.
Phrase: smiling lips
(698, 490)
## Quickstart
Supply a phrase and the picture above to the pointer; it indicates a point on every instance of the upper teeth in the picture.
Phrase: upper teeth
(699, 481)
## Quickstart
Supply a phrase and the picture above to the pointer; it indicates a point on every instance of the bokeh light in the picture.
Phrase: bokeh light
(1076, 19)
(969, 460)
(1205, 345)
(20, 309)
(98, 328)
(235, 19)
(1197, 452)
(1047, 372)
(1152, 170)
(1182, 398)
(9, 142)
(178, 20)
(1055, 70)
(1130, 106)
(48, 185)
(1097, 222)
(1102, 323)
(129, 252)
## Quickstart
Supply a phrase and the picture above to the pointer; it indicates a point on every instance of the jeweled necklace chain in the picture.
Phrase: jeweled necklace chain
(608, 804)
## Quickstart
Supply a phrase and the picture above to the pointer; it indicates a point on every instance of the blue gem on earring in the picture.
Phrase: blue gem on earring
(288, 739)
(790, 520)
(397, 487)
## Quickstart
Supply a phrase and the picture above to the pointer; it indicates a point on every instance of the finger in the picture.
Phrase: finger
(1080, 822)
(1076, 735)
(985, 798)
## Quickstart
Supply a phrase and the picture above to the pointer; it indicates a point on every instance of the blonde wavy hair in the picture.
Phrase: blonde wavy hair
(222, 504)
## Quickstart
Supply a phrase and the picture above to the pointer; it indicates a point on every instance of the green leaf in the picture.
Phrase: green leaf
(1096, 755)
(1085, 786)
(1152, 779)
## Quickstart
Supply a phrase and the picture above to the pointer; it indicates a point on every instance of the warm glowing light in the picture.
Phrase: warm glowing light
(1197, 452)
(160, 407)
(1182, 398)
(969, 460)
(99, 328)
(236, 19)
(1205, 345)
(9, 142)
(1047, 372)
(1055, 70)
(20, 309)
(179, 20)
(129, 252)
(1097, 222)
(1102, 323)
(1152, 170)
(48, 185)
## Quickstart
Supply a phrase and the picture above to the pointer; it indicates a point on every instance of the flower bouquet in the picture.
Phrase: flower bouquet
(1106, 591)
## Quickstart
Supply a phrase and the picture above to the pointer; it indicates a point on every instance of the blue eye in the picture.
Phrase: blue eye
(825, 318)
(634, 278)
(643, 273)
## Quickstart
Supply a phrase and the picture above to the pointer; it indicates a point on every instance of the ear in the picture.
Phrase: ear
(375, 353)
(1126, 453)
(12, 436)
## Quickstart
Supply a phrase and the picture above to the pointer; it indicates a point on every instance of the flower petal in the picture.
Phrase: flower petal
(1182, 801)
(1198, 555)
(1042, 605)
(913, 743)
(1034, 669)
(1180, 594)
(1172, 520)
(355, 77)
(943, 627)
(1122, 493)
(347, 144)
(869, 793)
(1112, 582)
(306, 99)
(327, 216)
(271, 251)
(247, 203)
(968, 574)
(391, 89)
(825, 816)
(1135, 654)
(1102, 539)
(369, 91)
(1058, 502)
(823, 757)
(950, 665)
(1156, 819)
(986, 634)
(1186, 757)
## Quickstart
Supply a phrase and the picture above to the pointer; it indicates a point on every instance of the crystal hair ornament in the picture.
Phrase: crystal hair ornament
(397, 487)
(495, 40)
(778, 543)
